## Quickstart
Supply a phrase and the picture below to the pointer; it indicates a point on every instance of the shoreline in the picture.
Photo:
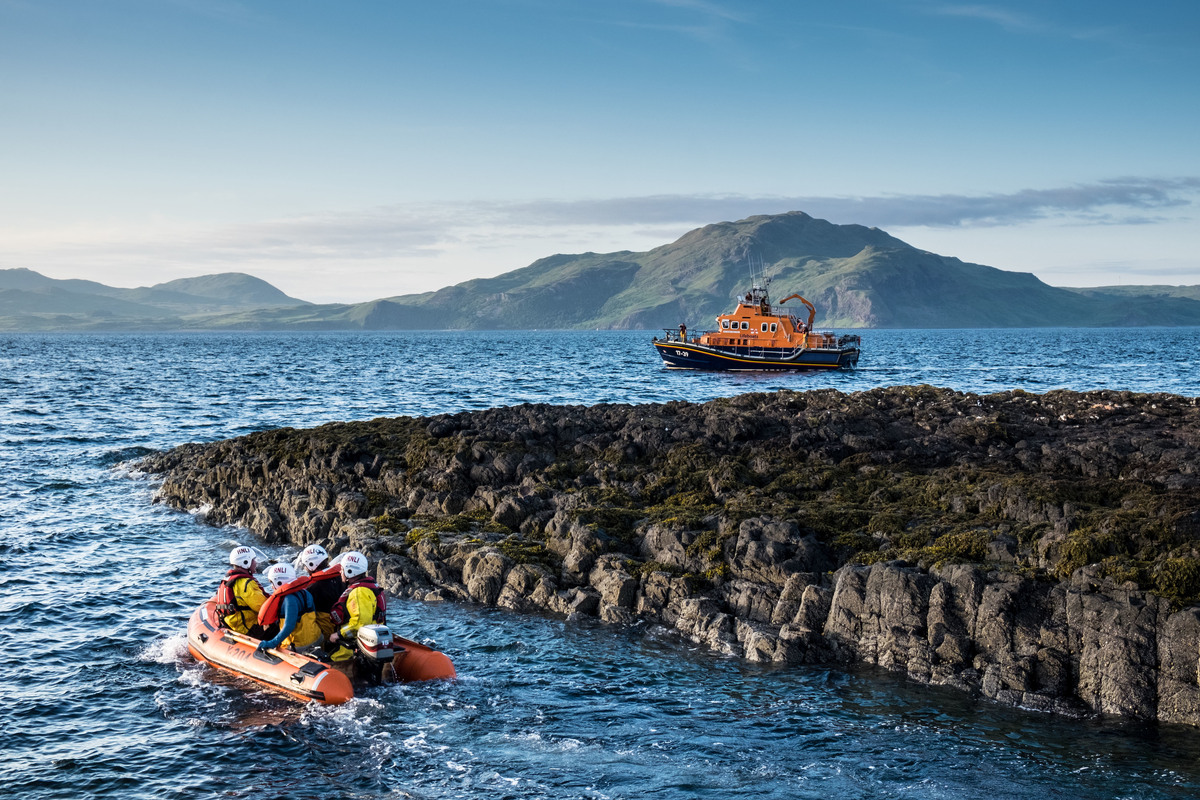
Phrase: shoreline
(1039, 550)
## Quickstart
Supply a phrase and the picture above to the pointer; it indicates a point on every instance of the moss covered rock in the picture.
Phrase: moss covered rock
(717, 516)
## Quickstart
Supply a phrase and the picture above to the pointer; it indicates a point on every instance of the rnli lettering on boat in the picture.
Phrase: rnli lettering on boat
(759, 336)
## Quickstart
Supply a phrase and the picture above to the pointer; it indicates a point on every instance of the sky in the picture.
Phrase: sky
(349, 150)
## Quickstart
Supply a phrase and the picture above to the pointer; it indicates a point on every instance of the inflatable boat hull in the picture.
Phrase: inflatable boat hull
(292, 673)
(298, 675)
(416, 662)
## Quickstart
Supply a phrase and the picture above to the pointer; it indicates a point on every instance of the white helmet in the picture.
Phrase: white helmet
(354, 564)
(243, 557)
(312, 557)
(281, 573)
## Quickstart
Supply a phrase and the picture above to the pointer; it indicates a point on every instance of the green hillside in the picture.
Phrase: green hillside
(857, 277)
(1158, 290)
(229, 289)
(32, 302)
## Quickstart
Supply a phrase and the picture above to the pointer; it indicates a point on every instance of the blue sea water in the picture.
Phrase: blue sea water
(99, 698)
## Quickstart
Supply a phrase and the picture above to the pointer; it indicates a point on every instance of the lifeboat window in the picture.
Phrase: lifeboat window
(774, 326)
(764, 327)
(724, 323)
(745, 325)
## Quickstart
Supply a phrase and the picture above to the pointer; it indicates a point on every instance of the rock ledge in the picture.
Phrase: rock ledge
(1040, 550)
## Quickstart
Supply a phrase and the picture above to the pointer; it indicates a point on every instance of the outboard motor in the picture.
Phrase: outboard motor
(374, 654)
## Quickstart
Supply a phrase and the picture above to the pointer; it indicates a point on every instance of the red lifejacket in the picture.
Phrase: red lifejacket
(269, 613)
(325, 574)
(227, 601)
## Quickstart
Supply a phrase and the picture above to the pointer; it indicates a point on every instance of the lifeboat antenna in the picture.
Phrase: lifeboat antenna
(758, 277)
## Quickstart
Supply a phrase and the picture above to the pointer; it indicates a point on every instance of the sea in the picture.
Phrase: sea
(100, 699)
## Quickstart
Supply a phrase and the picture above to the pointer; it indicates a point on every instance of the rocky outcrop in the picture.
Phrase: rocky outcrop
(1040, 550)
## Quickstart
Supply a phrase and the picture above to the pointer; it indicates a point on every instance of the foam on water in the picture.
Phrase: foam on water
(171, 650)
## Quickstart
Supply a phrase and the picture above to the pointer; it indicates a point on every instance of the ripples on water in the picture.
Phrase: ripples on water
(98, 582)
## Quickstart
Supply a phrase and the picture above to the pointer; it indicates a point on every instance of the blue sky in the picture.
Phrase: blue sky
(351, 150)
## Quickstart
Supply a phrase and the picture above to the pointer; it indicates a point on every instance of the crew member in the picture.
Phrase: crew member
(294, 602)
(362, 603)
(240, 596)
(327, 584)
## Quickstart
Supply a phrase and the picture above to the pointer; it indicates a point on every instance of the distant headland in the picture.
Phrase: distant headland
(857, 277)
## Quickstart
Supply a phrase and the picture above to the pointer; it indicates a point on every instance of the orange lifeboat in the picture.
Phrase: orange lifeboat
(292, 673)
(759, 336)
(417, 662)
(302, 676)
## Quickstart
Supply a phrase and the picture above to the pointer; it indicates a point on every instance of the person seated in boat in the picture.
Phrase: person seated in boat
(240, 596)
(362, 603)
(294, 603)
(327, 584)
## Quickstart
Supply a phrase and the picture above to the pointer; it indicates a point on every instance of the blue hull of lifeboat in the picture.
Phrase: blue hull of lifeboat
(689, 355)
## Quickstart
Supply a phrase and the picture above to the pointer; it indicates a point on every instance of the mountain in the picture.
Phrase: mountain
(854, 275)
(229, 289)
(1142, 291)
(30, 301)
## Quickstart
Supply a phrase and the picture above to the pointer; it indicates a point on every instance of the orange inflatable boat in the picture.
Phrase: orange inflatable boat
(414, 661)
(292, 673)
(302, 676)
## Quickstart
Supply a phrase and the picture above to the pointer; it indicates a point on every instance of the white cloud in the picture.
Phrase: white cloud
(1118, 200)
(399, 249)
(1005, 18)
